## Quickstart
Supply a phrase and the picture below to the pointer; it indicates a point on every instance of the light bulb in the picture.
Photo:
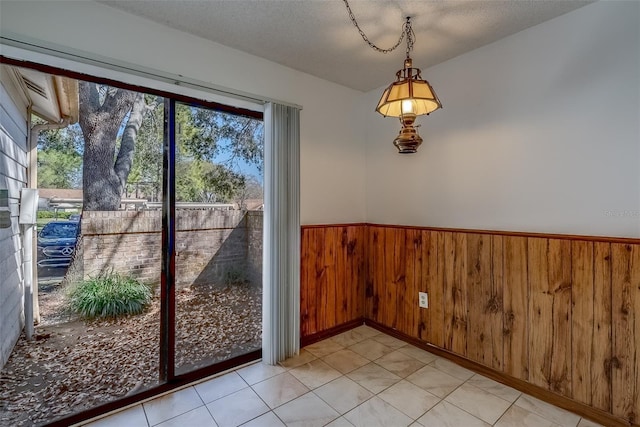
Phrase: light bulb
(407, 106)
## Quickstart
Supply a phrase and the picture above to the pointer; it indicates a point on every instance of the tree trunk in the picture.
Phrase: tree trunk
(105, 174)
(124, 160)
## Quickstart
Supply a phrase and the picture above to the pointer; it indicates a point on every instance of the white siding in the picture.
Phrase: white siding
(13, 176)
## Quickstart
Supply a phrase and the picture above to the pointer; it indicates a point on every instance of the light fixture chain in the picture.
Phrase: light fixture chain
(408, 30)
(405, 30)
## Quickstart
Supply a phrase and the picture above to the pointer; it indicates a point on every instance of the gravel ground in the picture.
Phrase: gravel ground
(75, 365)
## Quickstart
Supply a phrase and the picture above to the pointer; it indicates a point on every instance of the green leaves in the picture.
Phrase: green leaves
(109, 295)
(206, 182)
(210, 147)
(59, 169)
(204, 134)
(60, 158)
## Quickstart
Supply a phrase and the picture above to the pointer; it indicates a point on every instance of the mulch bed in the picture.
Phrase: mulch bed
(76, 365)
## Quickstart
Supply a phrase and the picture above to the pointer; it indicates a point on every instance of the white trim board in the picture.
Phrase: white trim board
(88, 63)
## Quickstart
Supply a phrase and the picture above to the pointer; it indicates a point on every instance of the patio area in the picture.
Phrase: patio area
(74, 365)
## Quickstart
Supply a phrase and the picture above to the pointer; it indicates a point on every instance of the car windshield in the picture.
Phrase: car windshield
(57, 230)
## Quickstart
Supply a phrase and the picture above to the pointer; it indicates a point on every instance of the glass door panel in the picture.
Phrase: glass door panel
(218, 266)
(98, 259)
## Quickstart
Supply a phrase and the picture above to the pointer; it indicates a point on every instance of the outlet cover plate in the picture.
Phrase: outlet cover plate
(423, 299)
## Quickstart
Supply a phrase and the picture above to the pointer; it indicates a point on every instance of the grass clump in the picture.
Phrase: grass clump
(109, 295)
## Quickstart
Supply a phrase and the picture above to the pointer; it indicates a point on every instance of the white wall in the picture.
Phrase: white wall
(540, 132)
(13, 176)
(332, 160)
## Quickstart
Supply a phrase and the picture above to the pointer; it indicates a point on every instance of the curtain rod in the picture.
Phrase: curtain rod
(63, 52)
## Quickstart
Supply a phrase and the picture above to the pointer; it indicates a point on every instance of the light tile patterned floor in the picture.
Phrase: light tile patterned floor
(358, 378)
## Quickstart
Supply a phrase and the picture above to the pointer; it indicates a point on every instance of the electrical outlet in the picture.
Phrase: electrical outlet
(423, 299)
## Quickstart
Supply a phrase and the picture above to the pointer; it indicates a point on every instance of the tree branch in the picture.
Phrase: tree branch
(124, 160)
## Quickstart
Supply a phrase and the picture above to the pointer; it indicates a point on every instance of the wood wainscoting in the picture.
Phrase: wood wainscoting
(559, 313)
(332, 279)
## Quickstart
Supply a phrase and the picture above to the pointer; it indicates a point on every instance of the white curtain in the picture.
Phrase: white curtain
(281, 249)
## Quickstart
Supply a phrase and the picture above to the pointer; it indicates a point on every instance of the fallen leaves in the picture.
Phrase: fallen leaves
(75, 365)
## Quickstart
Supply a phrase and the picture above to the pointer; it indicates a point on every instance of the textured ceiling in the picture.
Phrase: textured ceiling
(317, 37)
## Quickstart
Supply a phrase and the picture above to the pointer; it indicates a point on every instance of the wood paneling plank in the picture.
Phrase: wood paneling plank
(341, 277)
(370, 273)
(362, 255)
(516, 309)
(449, 248)
(305, 283)
(388, 290)
(322, 321)
(355, 278)
(399, 275)
(540, 312)
(495, 305)
(409, 314)
(420, 324)
(582, 319)
(478, 266)
(460, 296)
(433, 259)
(550, 313)
(378, 273)
(313, 291)
(560, 278)
(601, 333)
(625, 363)
(455, 293)
(331, 243)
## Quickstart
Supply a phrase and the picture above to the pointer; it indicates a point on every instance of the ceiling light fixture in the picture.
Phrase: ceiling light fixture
(407, 97)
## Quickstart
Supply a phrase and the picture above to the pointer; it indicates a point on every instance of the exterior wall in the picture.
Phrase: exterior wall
(211, 246)
(13, 176)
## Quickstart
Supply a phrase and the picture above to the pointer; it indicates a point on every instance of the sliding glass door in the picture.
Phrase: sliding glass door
(160, 204)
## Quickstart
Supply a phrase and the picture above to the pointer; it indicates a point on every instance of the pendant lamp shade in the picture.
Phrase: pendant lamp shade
(409, 94)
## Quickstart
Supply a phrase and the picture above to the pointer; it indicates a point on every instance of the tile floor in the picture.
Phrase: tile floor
(358, 378)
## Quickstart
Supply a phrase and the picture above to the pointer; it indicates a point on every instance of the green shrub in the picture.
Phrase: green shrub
(109, 295)
(52, 214)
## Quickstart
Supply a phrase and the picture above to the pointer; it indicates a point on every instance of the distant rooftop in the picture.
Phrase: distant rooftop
(60, 193)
